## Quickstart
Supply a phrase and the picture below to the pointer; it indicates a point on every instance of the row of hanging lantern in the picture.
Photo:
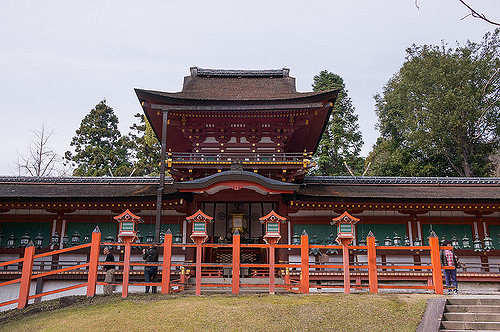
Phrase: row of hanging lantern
(485, 245)
(75, 239)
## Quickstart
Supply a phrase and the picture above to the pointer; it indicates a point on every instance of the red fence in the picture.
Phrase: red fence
(168, 285)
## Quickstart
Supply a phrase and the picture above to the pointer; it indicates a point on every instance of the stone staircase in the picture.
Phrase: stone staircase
(466, 314)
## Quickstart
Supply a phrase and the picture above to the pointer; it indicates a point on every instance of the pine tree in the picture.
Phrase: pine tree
(100, 149)
(146, 149)
(341, 142)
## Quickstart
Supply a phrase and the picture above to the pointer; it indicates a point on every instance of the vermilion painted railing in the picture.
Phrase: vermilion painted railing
(167, 285)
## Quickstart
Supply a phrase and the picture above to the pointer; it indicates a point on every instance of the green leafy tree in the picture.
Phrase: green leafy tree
(100, 149)
(439, 115)
(341, 142)
(145, 147)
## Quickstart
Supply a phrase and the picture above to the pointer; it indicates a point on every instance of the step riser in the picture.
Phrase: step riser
(472, 317)
(470, 325)
(473, 308)
(453, 301)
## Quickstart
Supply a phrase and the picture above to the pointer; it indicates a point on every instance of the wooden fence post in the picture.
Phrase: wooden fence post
(372, 263)
(24, 288)
(167, 263)
(126, 264)
(236, 262)
(304, 263)
(437, 276)
(93, 261)
(272, 286)
(198, 241)
(345, 264)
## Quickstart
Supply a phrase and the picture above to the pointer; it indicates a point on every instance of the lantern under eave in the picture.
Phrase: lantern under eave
(272, 226)
(345, 226)
(200, 221)
(128, 224)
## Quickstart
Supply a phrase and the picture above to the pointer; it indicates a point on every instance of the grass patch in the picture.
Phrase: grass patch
(290, 312)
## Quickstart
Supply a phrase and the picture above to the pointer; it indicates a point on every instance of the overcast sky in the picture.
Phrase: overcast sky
(58, 59)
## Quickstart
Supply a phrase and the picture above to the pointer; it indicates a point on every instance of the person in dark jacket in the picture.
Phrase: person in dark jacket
(150, 255)
(110, 272)
(448, 258)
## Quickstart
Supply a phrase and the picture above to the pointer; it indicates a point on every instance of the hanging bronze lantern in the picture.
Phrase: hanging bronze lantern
(25, 240)
(39, 240)
(11, 241)
(178, 238)
(488, 243)
(54, 239)
(75, 238)
(478, 245)
(397, 240)
(454, 242)
(465, 242)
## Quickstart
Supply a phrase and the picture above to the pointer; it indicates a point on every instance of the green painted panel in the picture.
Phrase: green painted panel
(447, 231)
(145, 229)
(19, 228)
(322, 231)
(199, 227)
(128, 225)
(381, 231)
(273, 227)
(345, 228)
(494, 233)
(86, 229)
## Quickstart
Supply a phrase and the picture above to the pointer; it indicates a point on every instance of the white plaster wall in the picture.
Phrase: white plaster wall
(475, 260)
(5, 258)
(494, 263)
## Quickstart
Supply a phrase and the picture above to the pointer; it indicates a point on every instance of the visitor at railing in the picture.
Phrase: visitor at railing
(110, 272)
(150, 255)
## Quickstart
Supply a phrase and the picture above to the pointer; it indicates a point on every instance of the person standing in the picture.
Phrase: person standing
(150, 255)
(110, 272)
(448, 258)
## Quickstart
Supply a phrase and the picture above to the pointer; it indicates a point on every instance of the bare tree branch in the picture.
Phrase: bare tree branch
(40, 160)
(473, 13)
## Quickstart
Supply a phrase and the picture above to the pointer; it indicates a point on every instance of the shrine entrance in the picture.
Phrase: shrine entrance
(232, 216)
(235, 200)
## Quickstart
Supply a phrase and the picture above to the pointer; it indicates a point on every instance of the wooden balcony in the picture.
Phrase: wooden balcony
(282, 166)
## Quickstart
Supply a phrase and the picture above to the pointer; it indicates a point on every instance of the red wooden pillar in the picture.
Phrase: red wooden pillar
(437, 276)
(126, 265)
(236, 263)
(24, 288)
(198, 241)
(345, 262)
(271, 241)
(167, 263)
(304, 263)
(93, 261)
(372, 263)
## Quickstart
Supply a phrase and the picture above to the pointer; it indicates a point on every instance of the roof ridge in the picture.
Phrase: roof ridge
(400, 180)
(201, 72)
(74, 179)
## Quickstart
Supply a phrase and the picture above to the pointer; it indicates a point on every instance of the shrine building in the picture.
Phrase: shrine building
(236, 145)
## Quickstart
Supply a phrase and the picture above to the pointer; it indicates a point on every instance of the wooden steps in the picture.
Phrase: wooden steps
(466, 314)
